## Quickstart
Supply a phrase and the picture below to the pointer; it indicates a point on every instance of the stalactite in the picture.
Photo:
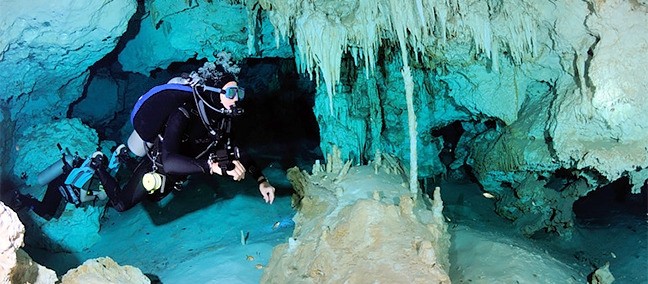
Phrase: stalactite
(401, 30)
(316, 52)
(322, 34)
(411, 118)
(253, 23)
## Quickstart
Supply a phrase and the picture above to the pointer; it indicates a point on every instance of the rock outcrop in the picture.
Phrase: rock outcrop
(36, 147)
(174, 32)
(46, 48)
(15, 265)
(104, 270)
(360, 224)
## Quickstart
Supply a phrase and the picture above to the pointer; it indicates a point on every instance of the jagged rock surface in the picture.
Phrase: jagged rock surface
(165, 35)
(602, 124)
(36, 146)
(15, 265)
(46, 48)
(602, 275)
(354, 224)
(104, 270)
(75, 230)
(568, 107)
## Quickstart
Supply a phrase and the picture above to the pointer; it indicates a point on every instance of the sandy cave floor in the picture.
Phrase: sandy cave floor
(487, 249)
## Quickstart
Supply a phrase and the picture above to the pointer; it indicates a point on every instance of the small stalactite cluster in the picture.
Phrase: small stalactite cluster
(323, 31)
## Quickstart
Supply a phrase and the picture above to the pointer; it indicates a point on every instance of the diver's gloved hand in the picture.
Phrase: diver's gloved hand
(192, 79)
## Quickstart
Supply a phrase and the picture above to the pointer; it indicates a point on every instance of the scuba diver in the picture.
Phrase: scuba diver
(69, 179)
(182, 128)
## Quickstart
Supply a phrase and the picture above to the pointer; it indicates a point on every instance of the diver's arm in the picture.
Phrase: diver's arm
(265, 188)
(251, 167)
(173, 162)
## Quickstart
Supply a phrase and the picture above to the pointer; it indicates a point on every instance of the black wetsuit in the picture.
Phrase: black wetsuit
(49, 205)
(184, 139)
(51, 200)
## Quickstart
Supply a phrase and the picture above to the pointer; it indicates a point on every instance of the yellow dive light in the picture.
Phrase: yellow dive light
(153, 181)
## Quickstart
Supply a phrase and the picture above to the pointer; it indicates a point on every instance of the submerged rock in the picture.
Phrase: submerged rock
(104, 270)
(361, 224)
(15, 265)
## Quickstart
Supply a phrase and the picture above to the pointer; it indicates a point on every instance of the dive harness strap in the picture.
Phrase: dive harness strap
(200, 105)
(153, 180)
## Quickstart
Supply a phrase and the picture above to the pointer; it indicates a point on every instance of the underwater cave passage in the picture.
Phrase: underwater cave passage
(612, 200)
(451, 134)
(278, 128)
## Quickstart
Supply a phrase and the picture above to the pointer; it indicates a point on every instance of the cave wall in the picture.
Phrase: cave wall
(602, 123)
(554, 77)
(46, 48)
(173, 31)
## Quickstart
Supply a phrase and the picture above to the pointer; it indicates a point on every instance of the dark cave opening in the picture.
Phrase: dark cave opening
(280, 111)
(612, 200)
(559, 179)
(451, 134)
(278, 127)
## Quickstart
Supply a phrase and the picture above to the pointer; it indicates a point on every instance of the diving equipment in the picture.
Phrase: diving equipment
(153, 181)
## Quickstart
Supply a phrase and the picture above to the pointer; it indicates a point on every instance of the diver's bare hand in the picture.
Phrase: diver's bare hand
(267, 191)
(238, 173)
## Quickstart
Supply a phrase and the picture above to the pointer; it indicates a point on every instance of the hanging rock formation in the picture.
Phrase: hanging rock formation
(175, 31)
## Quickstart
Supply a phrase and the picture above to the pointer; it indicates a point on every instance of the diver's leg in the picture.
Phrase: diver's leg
(51, 200)
(110, 185)
(132, 193)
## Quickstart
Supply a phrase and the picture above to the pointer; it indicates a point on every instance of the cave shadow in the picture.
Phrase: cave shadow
(614, 199)
(197, 193)
(34, 234)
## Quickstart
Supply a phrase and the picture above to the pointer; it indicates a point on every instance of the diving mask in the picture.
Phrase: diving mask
(229, 92)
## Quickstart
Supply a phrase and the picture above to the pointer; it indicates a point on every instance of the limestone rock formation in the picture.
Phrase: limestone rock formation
(574, 135)
(15, 265)
(75, 230)
(560, 104)
(104, 270)
(603, 123)
(36, 148)
(602, 275)
(173, 32)
(46, 48)
(356, 226)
